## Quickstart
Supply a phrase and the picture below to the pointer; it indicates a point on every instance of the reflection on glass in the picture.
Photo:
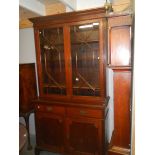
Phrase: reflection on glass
(52, 59)
(85, 59)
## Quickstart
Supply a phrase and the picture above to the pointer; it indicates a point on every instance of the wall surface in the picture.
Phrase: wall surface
(31, 124)
(26, 46)
(110, 92)
(87, 4)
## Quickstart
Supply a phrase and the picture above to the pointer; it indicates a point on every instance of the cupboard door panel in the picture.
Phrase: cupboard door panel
(49, 130)
(85, 136)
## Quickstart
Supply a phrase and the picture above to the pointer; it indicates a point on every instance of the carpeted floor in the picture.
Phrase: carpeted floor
(31, 152)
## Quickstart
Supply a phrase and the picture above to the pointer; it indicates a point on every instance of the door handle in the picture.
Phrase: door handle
(83, 112)
(49, 108)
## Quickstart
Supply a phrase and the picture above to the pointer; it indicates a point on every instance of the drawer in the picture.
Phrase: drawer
(71, 111)
(51, 109)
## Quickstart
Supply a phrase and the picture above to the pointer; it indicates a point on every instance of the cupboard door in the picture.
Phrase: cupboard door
(85, 55)
(85, 136)
(50, 131)
(52, 68)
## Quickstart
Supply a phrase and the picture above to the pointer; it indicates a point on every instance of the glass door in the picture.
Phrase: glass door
(52, 61)
(85, 59)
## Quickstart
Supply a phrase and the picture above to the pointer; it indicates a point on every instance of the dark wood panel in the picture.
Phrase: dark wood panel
(122, 92)
(27, 86)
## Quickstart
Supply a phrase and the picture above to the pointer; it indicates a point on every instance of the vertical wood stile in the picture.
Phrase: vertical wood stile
(67, 54)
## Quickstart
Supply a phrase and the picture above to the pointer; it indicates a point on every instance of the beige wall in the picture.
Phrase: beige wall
(26, 46)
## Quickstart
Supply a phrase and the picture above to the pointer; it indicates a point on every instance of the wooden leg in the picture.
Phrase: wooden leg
(27, 127)
(37, 151)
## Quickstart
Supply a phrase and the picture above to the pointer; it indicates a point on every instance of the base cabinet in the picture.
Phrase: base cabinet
(79, 134)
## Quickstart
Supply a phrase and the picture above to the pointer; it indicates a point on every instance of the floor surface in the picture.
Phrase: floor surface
(31, 152)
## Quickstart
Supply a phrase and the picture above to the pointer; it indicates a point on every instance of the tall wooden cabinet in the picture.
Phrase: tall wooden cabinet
(71, 62)
(120, 61)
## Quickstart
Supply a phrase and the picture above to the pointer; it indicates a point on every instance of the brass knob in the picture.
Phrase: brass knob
(49, 108)
(83, 112)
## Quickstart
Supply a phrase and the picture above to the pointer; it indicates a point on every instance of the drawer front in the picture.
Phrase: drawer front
(71, 111)
(51, 109)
